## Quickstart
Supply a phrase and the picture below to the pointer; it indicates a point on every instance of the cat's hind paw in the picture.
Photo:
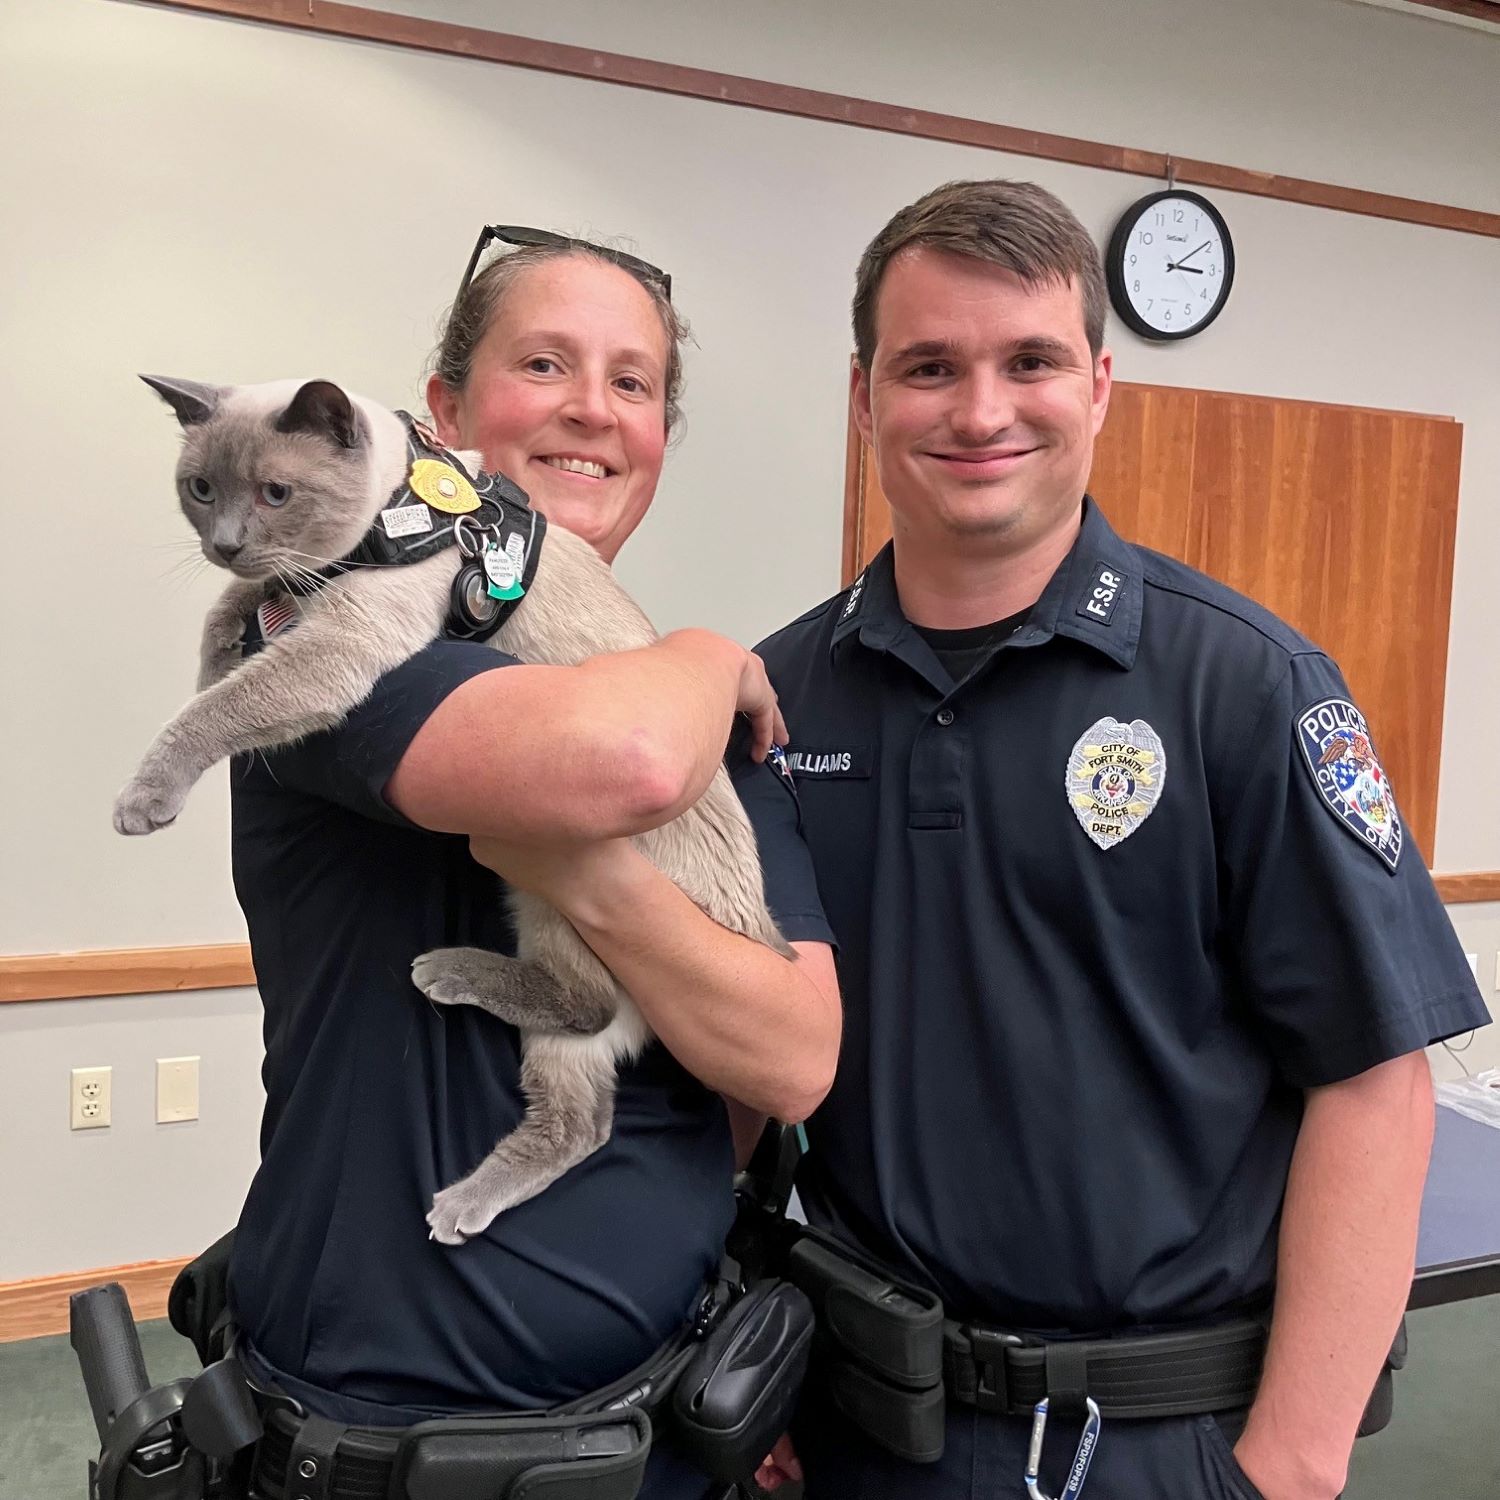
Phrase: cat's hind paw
(463, 1210)
(144, 805)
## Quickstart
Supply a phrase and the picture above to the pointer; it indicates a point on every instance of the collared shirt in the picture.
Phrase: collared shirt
(1105, 908)
(375, 1099)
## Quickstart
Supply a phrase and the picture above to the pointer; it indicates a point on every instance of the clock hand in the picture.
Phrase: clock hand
(1192, 253)
(1177, 265)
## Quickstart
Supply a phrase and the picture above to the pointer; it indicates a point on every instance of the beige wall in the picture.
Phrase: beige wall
(212, 199)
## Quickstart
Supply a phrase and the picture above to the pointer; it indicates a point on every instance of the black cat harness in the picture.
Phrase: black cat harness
(436, 506)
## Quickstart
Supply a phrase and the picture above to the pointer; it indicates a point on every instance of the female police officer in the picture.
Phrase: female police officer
(561, 363)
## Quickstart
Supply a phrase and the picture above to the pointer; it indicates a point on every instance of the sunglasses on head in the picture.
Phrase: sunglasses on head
(518, 234)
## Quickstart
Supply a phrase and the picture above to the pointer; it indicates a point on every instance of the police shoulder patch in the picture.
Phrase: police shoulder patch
(1336, 745)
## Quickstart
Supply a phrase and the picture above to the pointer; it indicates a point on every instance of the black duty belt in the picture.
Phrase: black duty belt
(1214, 1368)
(311, 1458)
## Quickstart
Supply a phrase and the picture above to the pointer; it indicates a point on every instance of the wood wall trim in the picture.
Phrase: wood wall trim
(124, 971)
(156, 971)
(415, 33)
(1477, 10)
(30, 1309)
(1459, 890)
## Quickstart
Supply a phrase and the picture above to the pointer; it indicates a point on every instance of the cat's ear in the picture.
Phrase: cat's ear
(320, 406)
(193, 403)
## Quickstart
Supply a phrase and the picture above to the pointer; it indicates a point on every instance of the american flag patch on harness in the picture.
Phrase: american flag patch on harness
(275, 615)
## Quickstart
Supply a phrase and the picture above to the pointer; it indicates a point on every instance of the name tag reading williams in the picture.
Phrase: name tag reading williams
(846, 761)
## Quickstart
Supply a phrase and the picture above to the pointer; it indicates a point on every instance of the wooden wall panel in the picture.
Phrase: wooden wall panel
(1143, 461)
(1339, 519)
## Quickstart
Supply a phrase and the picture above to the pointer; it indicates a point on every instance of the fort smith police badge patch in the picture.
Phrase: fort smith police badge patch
(1336, 744)
(1115, 778)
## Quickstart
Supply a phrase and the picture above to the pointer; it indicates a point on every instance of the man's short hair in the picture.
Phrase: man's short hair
(1018, 225)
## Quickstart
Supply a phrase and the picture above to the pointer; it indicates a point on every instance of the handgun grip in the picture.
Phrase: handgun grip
(102, 1333)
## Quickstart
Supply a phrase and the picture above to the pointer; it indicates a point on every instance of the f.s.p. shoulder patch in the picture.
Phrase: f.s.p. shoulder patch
(1337, 747)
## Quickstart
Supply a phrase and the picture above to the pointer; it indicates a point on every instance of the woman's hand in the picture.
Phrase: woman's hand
(757, 701)
(779, 1466)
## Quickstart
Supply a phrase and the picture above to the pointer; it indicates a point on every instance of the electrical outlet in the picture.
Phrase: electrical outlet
(176, 1089)
(89, 1099)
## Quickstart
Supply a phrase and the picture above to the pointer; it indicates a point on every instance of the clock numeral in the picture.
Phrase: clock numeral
(1161, 218)
(1146, 237)
(1177, 216)
(1203, 295)
(1167, 314)
(1135, 286)
(1149, 302)
(1132, 259)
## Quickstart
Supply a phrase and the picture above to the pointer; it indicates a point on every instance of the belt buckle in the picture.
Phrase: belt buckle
(991, 1387)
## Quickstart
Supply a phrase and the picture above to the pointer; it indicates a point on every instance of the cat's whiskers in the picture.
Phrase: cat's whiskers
(348, 601)
(185, 572)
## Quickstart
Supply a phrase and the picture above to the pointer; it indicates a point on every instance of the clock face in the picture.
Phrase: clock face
(1170, 265)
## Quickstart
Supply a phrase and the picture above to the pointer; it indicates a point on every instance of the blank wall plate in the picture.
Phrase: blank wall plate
(88, 1099)
(176, 1089)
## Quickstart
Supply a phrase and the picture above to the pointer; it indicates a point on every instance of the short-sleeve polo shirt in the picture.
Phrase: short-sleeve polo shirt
(1105, 908)
(376, 1098)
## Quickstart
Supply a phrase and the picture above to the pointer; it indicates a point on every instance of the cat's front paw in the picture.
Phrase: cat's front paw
(146, 805)
(454, 976)
(461, 1211)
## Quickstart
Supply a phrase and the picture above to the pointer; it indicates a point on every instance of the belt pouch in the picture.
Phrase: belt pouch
(597, 1457)
(893, 1329)
(907, 1423)
(881, 1346)
(737, 1394)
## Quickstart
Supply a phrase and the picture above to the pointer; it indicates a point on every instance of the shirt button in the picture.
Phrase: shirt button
(945, 717)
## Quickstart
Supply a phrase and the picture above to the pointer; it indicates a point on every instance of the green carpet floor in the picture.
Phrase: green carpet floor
(1444, 1441)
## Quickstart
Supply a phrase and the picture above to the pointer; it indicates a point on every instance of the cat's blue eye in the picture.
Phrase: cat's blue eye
(275, 494)
(200, 489)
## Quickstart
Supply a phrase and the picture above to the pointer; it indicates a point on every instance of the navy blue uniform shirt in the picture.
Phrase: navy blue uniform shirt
(376, 1098)
(1105, 908)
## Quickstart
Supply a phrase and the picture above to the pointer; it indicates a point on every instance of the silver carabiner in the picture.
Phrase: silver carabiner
(1088, 1445)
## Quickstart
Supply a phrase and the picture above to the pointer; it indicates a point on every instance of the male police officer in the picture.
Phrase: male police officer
(1137, 963)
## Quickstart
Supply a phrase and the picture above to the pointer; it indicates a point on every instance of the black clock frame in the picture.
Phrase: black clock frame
(1114, 266)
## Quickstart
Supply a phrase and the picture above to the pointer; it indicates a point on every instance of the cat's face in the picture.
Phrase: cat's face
(276, 479)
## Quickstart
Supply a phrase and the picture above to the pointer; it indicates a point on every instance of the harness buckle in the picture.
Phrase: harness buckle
(1088, 1444)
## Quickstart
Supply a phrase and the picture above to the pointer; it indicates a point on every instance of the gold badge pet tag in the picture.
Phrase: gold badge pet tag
(443, 487)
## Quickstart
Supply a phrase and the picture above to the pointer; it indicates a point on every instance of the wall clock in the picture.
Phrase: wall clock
(1170, 265)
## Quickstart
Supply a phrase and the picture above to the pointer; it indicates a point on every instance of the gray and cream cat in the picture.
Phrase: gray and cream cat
(280, 480)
